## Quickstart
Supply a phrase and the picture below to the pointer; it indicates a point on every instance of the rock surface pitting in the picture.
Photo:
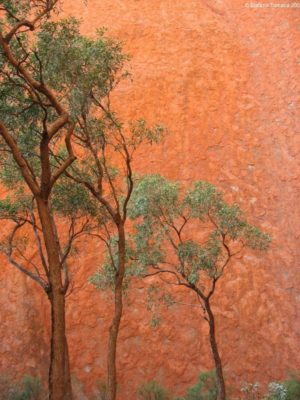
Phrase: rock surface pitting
(223, 78)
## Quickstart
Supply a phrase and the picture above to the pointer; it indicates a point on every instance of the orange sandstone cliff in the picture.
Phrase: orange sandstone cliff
(223, 78)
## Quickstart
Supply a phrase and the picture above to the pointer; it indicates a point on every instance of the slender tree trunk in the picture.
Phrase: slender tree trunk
(68, 394)
(58, 349)
(114, 328)
(59, 372)
(214, 348)
(68, 382)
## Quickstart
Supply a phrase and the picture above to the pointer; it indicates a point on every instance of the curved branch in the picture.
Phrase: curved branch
(15, 29)
(20, 160)
(96, 194)
(108, 246)
(17, 265)
(39, 244)
(62, 168)
(29, 24)
(228, 258)
(164, 271)
(39, 86)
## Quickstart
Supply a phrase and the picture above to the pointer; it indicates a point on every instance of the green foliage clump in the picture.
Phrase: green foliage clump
(30, 388)
(293, 386)
(13, 206)
(78, 69)
(105, 275)
(78, 65)
(164, 211)
(153, 391)
(70, 199)
(141, 132)
(205, 388)
(153, 195)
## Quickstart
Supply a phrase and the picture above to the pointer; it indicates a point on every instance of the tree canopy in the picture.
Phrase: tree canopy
(195, 225)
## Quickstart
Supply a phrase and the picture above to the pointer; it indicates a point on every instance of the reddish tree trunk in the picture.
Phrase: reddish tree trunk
(68, 381)
(215, 352)
(58, 347)
(59, 373)
(114, 328)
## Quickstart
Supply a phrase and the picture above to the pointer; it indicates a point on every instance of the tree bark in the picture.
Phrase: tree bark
(115, 325)
(59, 373)
(68, 381)
(58, 348)
(215, 352)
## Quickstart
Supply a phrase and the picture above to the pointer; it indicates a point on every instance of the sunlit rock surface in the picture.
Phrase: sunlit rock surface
(224, 79)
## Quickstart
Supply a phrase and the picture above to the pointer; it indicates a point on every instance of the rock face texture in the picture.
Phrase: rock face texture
(222, 76)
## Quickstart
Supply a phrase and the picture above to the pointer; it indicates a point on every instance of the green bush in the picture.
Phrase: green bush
(30, 388)
(293, 386)
(153, 391)
(205, 388)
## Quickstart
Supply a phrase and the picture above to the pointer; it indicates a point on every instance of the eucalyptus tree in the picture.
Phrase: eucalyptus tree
(48, 72)
(191, 236)
(106, 171)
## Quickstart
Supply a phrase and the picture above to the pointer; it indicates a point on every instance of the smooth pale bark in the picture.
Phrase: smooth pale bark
(59, 373)
(115, 325)
(216, 356)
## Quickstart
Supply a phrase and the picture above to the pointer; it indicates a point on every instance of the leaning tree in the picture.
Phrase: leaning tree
(49, 73)
(191, 236)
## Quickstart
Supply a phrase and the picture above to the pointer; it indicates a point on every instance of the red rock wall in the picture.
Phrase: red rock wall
(223, 78)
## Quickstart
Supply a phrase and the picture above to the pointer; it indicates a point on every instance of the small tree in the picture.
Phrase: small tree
(47, 74)
(190, 235)
(105, 170)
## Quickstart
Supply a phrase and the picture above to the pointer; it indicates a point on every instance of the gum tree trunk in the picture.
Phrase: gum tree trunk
(59, 373)
(68, 382)
(58, 348)
(215, 352)
(115, 325)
